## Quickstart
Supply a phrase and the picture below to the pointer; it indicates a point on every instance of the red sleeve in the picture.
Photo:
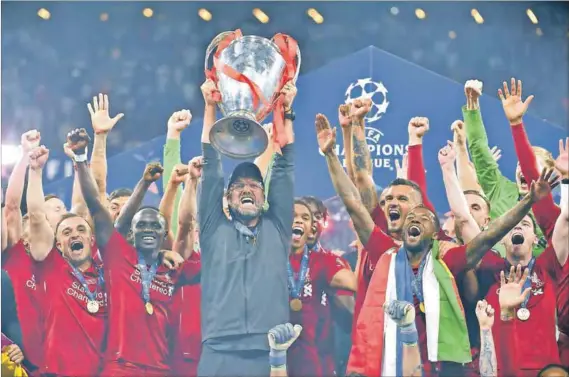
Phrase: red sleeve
(191, 267)
(455, 259)
(117, 248)
(342, 292)
(331, 265)
(378, 244)
(491, 263)
(546, 212)
(50, 266)
(379, 218)
(505, 337)
(549, 262)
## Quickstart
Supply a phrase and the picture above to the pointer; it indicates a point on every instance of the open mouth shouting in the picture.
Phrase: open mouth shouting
(247, 201)
(523, 182)
(76, 246)
(297, 232)
(394, 214)
(518, 238)
(414, 232)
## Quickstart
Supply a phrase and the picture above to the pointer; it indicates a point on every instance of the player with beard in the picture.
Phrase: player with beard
(244, 284)
(337, 304)
(310, 274)
(72, 303)
(139, 287)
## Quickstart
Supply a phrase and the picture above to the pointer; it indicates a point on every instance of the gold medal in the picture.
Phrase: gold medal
(523, 314)
(92, 306)
(295, 305)
(422, 307)
(149, 308)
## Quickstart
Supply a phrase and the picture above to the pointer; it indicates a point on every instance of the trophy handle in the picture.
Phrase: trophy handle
(298, 64)
(213, 45)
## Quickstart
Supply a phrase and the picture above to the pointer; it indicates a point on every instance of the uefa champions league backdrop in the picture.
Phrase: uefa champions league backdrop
(399, 90)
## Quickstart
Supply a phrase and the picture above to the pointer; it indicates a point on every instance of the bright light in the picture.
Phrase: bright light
(204, 14)
(316, 17)
(477, 16)
(104, 17)
(11, 154)
(421, 15)
(532, 16)
(394, 11)
(44, 13)
(147, 12)
(452, 34)
(260, 15)
(539, 32)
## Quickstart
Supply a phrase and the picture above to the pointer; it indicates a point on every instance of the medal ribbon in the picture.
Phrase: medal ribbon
(417, 283)
(295, 287)
(79, 276)
(147, 275)
(527, 283)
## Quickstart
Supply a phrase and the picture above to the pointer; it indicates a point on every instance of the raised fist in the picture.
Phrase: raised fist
(281, 337)
(179, 174)
(195, 165)
(38, 157)
(344, 115)
(360, 107)
(210, 93)
(459, 132)
(401, 312)
(153, 172)
(325, 134)
(288, 92)
(472, 91)
(179, 120)
(447, 154)
(485, 315)
(418, 127)
(78, 140)
(30, 140)
(100, 119)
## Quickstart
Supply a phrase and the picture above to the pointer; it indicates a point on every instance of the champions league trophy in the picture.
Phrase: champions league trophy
(249, 72)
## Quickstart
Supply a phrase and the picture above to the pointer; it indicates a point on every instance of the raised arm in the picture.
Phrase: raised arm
(152, 173)
(41, 235)
(178, 122)
(102, 124)
(476, 249)
(456, 199)
(281, 185)
(266, 160)
(363, 223)
(361, 159)
(78, 205)
(177, 177)
(465, 168)
(77, 141)
(210, 200)
(347, 136)
(560, 237)
(188, 211)
(487, 361)
(15, 189)
(417, 128)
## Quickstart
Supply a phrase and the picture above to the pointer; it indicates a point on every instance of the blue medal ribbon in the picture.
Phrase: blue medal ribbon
(92, 296)
(417, 283)
(527, 283)
(295, 287)
(147, 275)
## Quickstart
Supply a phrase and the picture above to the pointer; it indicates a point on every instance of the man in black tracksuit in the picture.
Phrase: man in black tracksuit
(244, 260)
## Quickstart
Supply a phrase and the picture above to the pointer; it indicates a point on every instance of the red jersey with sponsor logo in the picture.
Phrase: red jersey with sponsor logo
(303, 355)
(20, 266)
(537, 345)
(73, 337)
(134, 336)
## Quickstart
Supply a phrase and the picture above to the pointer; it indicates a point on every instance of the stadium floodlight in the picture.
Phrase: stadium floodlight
(10, 154)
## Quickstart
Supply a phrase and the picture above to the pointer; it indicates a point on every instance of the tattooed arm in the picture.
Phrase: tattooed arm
(347, 136)
(487, 362)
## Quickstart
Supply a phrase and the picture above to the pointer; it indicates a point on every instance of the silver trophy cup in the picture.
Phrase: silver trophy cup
(239, 133)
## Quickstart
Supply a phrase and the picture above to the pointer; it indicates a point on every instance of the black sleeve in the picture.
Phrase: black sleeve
(10, 324)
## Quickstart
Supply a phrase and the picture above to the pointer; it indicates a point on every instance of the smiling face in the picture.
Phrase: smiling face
(148, 229)
(74, 239)
(520, 241)
(54, 210)
(318, 225)
(396, 202)
(419, 229)
(246, 198)
(301, 226)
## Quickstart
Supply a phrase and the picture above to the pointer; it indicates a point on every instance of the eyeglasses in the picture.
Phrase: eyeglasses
(249, 185)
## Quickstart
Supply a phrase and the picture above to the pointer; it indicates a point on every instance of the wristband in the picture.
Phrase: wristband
(409, 334)
(277, 358)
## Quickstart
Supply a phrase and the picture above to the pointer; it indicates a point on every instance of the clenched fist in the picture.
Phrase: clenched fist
(210, 93)
(179, 174)
(325, 134)
(38, 157)
(472, 91)
(447, 155)
(179, 121)
(78, 140)
(459, 132)
(30, 140)
(344, 115)
(196, 165)
(360, 107)
(417, 128)
(100, 118)
(153, 172)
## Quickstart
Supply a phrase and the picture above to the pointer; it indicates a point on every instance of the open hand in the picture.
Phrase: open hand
(100, 118)
(496, 153)
(14, 353)
(511, 295)
(547, 181)
(195, 165)
(30, 140)
(281, 337)
(485, 315)
(179, 174)
(78, 140)
(152, 172)
(447, 154)
(38, 157)
(179, 120)
(289, 93)
(210, 93)
(418, 127)
(325, 134)
(514, 107)
(562, 162)
(473, 91)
